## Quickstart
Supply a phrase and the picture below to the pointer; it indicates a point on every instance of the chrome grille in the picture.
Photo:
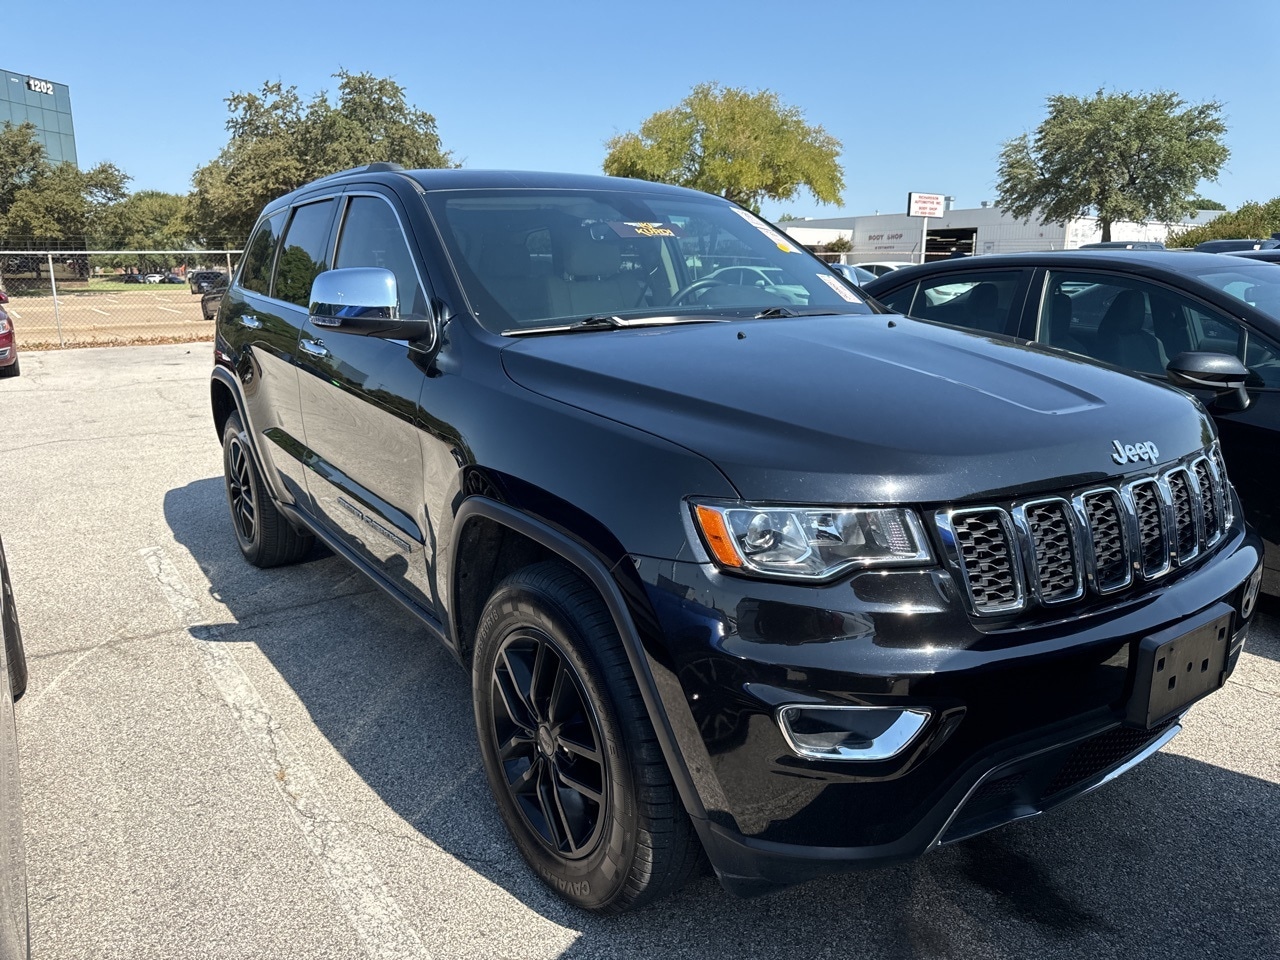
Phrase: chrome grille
(983, 542)
(1100, 540)
(1185, 539)
(1212, 520)
(1149, 509)
(1057, 570)
(1106, 535)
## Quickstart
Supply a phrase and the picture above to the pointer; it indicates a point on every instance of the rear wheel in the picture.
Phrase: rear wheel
(14, 654)
(265, 535)
(568, 748)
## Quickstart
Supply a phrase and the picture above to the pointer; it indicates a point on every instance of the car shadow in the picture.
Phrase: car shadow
(1266, 642)
(1175, 859)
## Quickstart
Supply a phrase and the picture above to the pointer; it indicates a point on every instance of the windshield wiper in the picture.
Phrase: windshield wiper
(772, 313)
(603, 321)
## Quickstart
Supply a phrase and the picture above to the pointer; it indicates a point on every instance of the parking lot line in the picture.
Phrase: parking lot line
(103, 312)
(372, 910)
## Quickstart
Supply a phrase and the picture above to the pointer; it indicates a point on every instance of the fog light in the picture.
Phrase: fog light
(1251, 594)
(822, 732)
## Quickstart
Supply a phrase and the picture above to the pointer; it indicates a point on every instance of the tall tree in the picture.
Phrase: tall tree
(278, 143)
(1117, 156)
(42, 204)
(747, 147)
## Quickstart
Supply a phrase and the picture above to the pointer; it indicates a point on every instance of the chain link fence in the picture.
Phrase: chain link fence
(102, 297)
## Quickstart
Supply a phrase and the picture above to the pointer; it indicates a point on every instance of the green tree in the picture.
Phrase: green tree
(746, 147)
(1253, 220)
(1118, 156)
(42, 204)
(1204, 203)
(278, 143)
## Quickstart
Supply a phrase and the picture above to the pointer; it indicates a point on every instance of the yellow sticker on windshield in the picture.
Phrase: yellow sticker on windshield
(835, 284)
(783, 244)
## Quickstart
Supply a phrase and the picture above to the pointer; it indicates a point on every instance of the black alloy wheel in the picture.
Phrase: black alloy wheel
(569, 751)
(240, 495)
(265, 535)
(547, 735)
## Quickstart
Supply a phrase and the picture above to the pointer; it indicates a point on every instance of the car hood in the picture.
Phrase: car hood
(864, 409)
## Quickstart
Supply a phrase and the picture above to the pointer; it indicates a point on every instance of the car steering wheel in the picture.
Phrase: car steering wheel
(705, 283)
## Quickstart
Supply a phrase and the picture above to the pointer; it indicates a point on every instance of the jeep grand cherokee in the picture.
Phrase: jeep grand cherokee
(782, 578)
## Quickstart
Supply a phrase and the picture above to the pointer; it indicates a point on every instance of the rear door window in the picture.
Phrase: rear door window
(987, 301)
(255, 267)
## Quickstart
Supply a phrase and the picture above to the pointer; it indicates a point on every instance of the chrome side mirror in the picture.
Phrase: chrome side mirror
(362, 301)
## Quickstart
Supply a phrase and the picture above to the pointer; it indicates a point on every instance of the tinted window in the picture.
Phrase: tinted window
(255, 267)
(371, 237)
(1130, 323)
(974, 299)
(304, 253)
(899, 301)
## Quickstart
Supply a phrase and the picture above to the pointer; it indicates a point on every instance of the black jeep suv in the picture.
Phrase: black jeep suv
(738, 562)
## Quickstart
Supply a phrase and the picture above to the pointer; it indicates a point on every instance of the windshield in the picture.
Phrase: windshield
(1253, 282)
(530, 259)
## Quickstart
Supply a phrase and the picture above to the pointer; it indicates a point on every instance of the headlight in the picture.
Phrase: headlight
(809, 543)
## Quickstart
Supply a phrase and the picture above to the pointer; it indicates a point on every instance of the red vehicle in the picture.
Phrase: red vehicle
(8, 343)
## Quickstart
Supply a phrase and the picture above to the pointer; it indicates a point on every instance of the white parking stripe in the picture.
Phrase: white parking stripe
(169, 309)
(373, 911)
(13, 313)
(103, 312)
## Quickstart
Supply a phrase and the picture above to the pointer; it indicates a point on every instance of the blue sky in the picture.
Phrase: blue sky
(921, 94)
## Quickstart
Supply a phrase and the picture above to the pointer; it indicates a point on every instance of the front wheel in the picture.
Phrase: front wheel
(570, 754)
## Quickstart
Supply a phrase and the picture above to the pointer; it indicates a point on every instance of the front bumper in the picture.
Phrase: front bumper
(1025, 714)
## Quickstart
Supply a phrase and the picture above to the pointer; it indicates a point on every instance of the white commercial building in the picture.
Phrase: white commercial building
(976, 231)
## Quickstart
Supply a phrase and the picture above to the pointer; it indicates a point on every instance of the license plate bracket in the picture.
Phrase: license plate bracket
(1179, 665)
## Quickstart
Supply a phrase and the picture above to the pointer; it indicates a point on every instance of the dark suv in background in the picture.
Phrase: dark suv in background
(775, 576)
(204, 281)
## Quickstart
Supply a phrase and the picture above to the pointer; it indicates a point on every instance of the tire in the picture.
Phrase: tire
(265, 535)
(557, 706)
(12, 370)
(14, 654)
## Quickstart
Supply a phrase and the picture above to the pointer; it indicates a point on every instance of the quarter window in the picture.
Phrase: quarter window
(304, 254)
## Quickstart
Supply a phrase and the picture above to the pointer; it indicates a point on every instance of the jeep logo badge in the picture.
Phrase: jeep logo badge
(1133, 452)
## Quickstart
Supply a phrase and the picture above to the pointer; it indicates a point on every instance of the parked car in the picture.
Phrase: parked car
(1122, 245)
(775, 281)
(14, 938)
(855, 275)
(803, 585)
(130, 278)
(1271, 255)
(153, 278)
(881, 267)
(9, 363)
(1157, 313)
(1227, 246)
(172, 278)
(209, 304)
(202, 281)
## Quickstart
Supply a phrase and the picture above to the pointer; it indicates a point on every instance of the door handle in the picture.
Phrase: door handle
(250, 321)
(314, 347)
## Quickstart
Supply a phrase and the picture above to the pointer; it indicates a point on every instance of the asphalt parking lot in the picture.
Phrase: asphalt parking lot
(150, 313)
(221, 761)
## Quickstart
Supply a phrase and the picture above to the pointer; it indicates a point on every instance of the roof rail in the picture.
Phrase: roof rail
(379, 167)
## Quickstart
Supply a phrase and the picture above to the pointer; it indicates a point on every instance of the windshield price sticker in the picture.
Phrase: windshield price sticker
(641, 229)
(844, 292)
(782, 242)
